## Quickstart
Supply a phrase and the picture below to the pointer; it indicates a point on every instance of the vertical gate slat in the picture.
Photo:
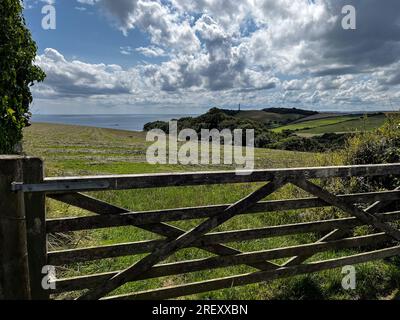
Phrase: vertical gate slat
(36, 227)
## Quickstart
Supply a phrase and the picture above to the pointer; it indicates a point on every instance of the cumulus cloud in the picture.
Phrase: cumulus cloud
(151, 51)
(77, 78)
(287, 51)
(164, 26)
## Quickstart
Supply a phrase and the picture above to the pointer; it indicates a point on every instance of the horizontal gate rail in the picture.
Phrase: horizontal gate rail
(227, 261)
(124, 182)
(241, 280)
(369, 209)
(149, 217)
(134, 248)
(186, 239)
(372, 210)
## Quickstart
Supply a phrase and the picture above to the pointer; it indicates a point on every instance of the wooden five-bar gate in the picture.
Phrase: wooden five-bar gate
(24, 229)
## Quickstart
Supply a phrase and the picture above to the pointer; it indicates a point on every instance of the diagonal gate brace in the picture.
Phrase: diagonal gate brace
(363, 215)
(337, 233)
(170, 232)
(185, 240)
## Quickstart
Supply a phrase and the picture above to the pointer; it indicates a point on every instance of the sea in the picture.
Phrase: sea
(130, 122)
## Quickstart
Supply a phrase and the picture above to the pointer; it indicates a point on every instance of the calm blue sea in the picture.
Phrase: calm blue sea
(131, 122)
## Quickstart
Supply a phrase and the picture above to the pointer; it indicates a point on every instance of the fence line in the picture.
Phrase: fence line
(24, 190)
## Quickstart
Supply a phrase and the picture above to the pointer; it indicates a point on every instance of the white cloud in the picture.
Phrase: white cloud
(279, 52)
(151, 51)
(127, 50)
(77, 78)
(30, 4)
(88, 2)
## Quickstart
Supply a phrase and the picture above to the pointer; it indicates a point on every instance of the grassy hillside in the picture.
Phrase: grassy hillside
(84, 150)
(360, 124)
(73, 150)
(318, 116)
(317, 123)
(283, 128)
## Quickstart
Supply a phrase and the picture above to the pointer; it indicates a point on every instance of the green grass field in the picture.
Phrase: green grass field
(339, 124)
(72, 150)
(357, 125)
(85, 150)
(318, 123)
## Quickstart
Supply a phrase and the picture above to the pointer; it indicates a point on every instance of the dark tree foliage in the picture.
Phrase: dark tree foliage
(17, 74)
(264, 138)
(219, 119)
(291, 111)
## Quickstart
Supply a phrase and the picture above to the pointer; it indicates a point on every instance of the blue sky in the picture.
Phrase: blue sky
(183, 56)
(85, 35)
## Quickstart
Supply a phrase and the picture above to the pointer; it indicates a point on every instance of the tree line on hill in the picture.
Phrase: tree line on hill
(264, 138)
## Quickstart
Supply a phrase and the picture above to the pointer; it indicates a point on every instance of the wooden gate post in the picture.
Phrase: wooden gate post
(35, 211)
(14, 270)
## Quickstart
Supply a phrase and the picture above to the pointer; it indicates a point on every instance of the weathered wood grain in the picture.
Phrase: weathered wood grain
(240, 280)
(14, 270)
(124, 182)
(165, 230)
(108, 210)
(65, 190)
(340, 232)
(80, 283)
(111, 216)
(189, 237)
(364, 216)
(35, 212)
(111, 251)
